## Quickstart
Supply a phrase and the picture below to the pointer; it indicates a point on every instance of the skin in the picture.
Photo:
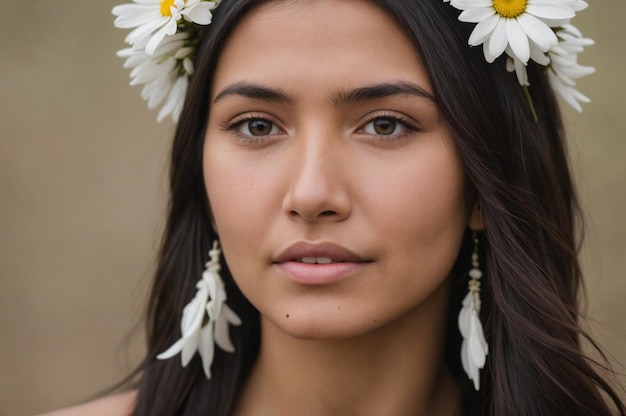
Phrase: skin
(119, 404)
(304, 162)
(341, 171)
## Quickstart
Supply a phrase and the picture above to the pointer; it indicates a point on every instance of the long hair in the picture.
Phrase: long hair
(519, 171)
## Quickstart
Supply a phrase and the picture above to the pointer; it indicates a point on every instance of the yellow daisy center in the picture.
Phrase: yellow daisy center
(509, 8)
(165, 7)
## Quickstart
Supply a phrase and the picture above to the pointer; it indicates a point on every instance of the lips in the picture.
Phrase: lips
(319, 264)
(321, 253)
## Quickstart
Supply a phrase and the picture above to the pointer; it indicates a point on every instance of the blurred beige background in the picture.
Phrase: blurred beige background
(82, 195)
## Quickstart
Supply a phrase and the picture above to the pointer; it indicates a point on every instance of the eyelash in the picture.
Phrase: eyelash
(234, 125)
(408, 125)
(403, 121)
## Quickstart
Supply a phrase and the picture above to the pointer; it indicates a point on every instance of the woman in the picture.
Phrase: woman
(375, 184)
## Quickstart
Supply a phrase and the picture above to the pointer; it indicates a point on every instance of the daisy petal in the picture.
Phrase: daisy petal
(518, 40)
(483, 29)
(201, 15)
(497, 42)
(131, 15)
(476, 15)
(550, 11)
(538, 31)
(471, 4)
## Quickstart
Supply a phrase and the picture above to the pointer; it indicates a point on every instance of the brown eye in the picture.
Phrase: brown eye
(385, 126)
(253, 129)
(258, 127)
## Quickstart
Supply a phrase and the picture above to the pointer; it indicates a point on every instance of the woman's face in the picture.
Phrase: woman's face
(333, 180)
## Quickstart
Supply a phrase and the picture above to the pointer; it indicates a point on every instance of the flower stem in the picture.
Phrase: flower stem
(530, 103)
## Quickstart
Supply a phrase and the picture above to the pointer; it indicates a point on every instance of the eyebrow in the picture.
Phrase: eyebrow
(259, 92)
(383, 90)
(340, 98)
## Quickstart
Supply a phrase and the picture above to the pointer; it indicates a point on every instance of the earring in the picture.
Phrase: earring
(474, 349)
(205, 319)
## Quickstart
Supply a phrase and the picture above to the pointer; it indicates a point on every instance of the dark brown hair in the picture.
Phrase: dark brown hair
(519, 170)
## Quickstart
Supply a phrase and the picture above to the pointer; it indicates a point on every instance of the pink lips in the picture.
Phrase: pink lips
(335, 263)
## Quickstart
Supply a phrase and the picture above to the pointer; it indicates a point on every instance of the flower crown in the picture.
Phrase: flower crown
(165, 34)
(163, 40)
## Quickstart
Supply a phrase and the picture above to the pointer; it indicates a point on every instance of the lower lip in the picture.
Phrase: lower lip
(320, 274)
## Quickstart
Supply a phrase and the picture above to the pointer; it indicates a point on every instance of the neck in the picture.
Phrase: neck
(396, 369)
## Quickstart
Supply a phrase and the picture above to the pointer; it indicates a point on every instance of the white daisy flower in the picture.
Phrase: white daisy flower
(522, 26)
(564, 69)
(205, 320)
(152, 20)
(562, 63)
(165, 74)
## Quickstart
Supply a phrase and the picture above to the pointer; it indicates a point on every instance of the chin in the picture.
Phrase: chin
(335, 326)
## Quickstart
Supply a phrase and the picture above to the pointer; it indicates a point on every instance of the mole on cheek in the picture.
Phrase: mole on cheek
(287, 316)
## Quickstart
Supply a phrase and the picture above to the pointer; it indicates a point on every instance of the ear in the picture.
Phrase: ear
(475, 221)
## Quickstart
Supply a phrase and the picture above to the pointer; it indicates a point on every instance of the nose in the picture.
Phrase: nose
(318, 188)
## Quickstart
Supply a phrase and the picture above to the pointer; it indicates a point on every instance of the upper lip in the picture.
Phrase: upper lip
(329, 250)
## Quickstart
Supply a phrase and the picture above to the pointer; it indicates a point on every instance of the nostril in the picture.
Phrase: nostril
(321, 214)
(327, 213)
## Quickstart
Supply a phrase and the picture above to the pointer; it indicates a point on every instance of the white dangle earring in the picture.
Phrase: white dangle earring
(474, 349)
(205, 319)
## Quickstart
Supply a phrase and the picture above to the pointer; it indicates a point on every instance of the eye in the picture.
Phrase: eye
(388, 126)
(384, 126)
(256, 127)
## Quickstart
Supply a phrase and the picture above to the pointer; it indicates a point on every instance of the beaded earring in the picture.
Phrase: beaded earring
(474, 348)
(205, 319)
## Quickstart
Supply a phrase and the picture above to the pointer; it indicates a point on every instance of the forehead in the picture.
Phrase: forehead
(319, 44)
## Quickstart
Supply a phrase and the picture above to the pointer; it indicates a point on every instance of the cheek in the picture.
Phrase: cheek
(233, 191)
(242, 205)
(424, 193)
(424, 216)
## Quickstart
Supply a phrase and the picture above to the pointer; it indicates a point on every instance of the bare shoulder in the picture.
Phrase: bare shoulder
(120, 404)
